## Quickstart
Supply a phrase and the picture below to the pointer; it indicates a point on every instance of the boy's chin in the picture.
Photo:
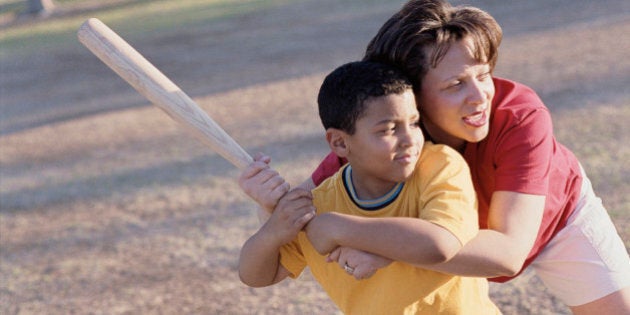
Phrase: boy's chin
(404, 175)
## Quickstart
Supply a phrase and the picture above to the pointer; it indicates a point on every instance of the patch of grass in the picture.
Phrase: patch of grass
(12, 7)
(133, 18)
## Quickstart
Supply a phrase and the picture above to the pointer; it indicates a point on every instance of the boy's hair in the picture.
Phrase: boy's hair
(344, 91)
(405, 39)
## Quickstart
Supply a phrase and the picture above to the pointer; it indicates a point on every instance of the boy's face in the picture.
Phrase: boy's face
(386, 144)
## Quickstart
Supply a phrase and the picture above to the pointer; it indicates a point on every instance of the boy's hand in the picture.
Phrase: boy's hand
(320, 232)
(263, 184)
(362, 264)
(292, 213)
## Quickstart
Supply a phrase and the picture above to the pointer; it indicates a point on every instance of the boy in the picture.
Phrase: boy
(407, 201)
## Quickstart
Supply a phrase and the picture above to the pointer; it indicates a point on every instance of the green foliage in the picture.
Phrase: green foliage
(129, 18)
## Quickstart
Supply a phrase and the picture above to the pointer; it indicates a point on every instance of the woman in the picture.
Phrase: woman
(536, 206)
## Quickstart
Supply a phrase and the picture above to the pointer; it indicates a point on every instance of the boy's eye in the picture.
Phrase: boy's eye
(389, 129)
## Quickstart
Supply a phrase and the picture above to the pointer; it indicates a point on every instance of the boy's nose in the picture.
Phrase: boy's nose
(410, 137)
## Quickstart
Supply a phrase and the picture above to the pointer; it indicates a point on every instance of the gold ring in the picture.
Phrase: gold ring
(348, 269)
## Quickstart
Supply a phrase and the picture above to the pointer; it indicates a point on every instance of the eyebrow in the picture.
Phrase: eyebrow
(389, 120)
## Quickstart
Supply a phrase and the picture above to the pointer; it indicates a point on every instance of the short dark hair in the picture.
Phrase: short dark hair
(405, 39)
(344, 91)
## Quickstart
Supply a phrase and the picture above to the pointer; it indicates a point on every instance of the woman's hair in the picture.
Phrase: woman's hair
(419, 35)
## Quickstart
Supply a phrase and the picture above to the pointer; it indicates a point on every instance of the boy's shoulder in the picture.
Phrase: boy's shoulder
(331, 183)
(439, 160)
(439, 155)
(437, 163)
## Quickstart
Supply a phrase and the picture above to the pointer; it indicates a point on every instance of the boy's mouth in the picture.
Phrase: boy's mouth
(406, 158)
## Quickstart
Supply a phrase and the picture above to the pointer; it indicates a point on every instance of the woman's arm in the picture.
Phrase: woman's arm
(410, 240)
(498, 251)
(513, 223)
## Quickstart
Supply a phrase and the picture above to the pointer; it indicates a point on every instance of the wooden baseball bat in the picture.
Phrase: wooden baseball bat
(157, 88)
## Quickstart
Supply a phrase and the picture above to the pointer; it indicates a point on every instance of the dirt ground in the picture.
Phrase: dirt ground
(108, 207)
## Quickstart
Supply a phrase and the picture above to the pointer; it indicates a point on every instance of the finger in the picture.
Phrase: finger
(272, 179)
(297, 207)
(341, 262)
(305, 218)
(262, 183)
(306, 209)
(363, 274)
(252, 170)
(293, 208)
(280, 191)
(268, 176)
(303, 193)
(297, 194)
(262, 158)
(334, 255)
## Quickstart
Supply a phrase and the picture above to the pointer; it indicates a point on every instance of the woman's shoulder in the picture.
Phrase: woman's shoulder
(510, 93)
(515, 102)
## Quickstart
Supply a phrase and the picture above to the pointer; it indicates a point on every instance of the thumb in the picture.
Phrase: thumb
(262, 158)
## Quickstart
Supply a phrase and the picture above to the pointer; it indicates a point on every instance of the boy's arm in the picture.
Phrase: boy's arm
(447, 218)
(411, 240)
(259, 261)
(263, 184)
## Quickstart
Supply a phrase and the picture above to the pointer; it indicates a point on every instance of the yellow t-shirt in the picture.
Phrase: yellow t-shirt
(439, 191)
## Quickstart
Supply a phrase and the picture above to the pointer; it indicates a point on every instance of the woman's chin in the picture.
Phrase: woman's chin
(478, 134)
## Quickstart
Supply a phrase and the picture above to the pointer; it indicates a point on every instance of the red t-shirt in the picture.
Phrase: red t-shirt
(519, 154)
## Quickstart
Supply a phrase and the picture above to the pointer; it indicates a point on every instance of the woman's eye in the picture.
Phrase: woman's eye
(454, 84)
(484, 76)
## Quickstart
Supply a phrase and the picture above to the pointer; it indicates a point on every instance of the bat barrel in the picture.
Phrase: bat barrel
(130, 65)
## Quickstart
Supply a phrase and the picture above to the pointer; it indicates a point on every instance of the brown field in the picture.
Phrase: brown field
(108, 207)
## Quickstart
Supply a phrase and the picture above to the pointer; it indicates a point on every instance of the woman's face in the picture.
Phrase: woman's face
(455, 98)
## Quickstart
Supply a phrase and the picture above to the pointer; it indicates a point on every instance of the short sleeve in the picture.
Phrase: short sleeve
(449, 199)
(329, 166)
(292, 258)
(524, 151)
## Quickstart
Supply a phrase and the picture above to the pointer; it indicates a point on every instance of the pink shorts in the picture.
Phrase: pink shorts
(587, 260)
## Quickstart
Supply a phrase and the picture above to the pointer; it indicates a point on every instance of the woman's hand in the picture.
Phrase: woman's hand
(262, 183)
(362, 264)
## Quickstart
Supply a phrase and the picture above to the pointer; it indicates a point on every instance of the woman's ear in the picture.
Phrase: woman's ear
(336, 139)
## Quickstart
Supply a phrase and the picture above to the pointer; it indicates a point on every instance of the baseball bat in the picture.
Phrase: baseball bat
(130, 65)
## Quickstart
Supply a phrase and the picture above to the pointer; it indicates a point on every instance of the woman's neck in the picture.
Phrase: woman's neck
(438, 136)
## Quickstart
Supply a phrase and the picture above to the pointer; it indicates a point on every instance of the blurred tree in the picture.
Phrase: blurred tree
(40, 7)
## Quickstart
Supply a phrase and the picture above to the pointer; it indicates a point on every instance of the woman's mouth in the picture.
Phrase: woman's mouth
(477, 119)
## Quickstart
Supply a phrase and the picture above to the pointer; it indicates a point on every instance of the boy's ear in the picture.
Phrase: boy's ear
(337, 141)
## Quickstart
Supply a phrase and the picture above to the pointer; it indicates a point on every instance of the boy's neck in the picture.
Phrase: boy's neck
(368, 189)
